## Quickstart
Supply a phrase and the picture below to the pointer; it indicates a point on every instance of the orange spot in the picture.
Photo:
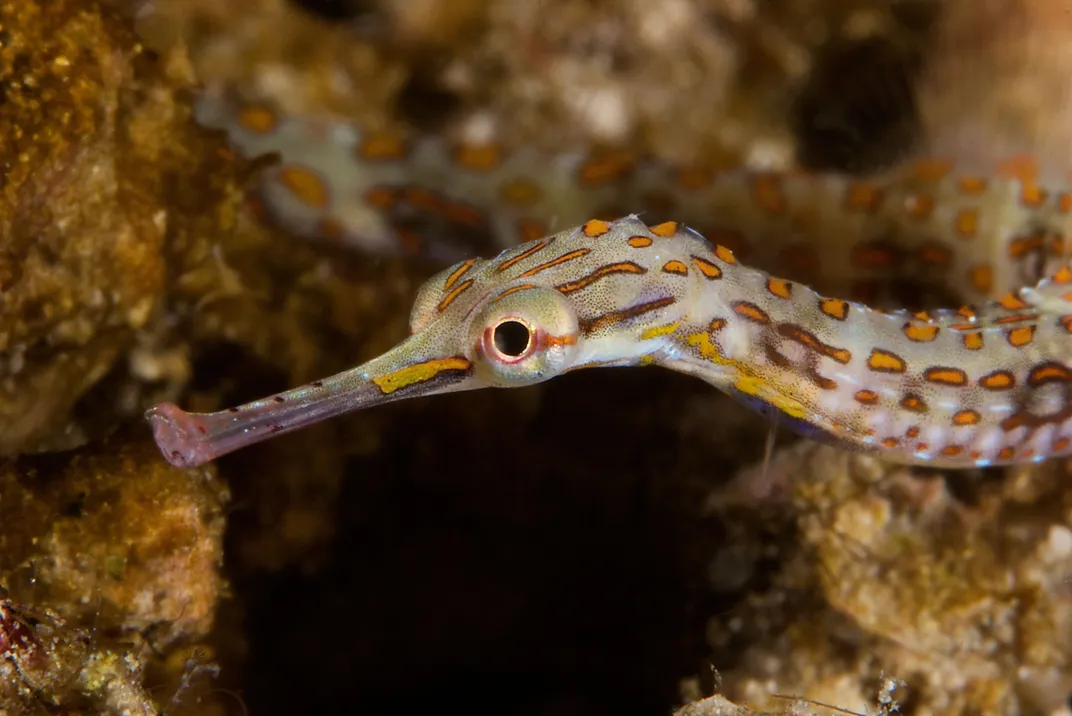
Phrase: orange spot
(890, 442)
(967, 223)
(982, 278)
(1063, 275)
(520, 192)
(568, 256)
(676, 267)
(1060, 445)
(973, 341)
(380, 197)
(717, 325)
(724, 254)
(381, 146)
(478, 157)
(515, 289)
(523, 255)
(967, 417)
(751, 311)
(931, 169)
(732, 240)
(779, 287)
(304, 185)
(1020, 337)
(595, 228)
(1022, 167)
(919, 206)
(1012, 302)
(924, 316)
(257, 119)
(708, 269)
(605, 168)
(913, 403)
(936, 255)
(920, 333)
(863, 197)
(1031, 195)
(1064, 202)
(1066, 323)
(667, 229)
(946, 376)
(458, 273)
(973, 186)
(450, 297)
(835, 308)
(912, 432)
(966, 312)
(639, 242)
(1006, 453)
(923, 447)
(767, 189)
(1023, 245)
(867, 397)
(530, 230)
(882, 361)
(952, 450)
(998, 380)
(693, 178)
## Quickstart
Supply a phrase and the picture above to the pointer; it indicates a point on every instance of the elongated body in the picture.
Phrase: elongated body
(955, 388)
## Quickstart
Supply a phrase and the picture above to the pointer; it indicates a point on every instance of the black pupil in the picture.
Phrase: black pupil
(511, 338)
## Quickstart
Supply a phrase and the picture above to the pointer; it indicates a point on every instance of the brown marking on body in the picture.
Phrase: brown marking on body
(382, 146)
(936, 255)
(605, 168)
(973, 341)
(676, 267)
(875, 256)
(458, 273)
(780, 287)
(998, 380)
(304, 185)
(808, 339)
(536, 248)
(1049, 372)
(611, 318)
(258, 119)
(946, 376)
(1066, 323)
(981, 277)
(693, 178)
(1020, 337)
(1060, 444)
(890, 442)
(708, 269)
(558, 261)
(952, 450)
(920, 333)
(751, 311)
(913, 403)
(667, 229)
(866, 397)
(834, 308)
(769, 194)
(971, 185)
(450, 297)
(863, 196)
(520, 191)
(967, 223)
(621, 267)
(882, 361)
(919, 206)
(595, 228)
(639, 242)
(478, 157)
(1006, 453)
(912, 432)
(967, 417)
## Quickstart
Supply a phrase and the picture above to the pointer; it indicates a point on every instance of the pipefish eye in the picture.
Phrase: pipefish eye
(525, 337)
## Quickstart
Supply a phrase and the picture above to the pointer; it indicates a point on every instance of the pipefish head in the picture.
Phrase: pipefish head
(583, 297)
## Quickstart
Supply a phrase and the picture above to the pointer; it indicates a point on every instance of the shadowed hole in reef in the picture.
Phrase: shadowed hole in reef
(495, 559)
(337, 9)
